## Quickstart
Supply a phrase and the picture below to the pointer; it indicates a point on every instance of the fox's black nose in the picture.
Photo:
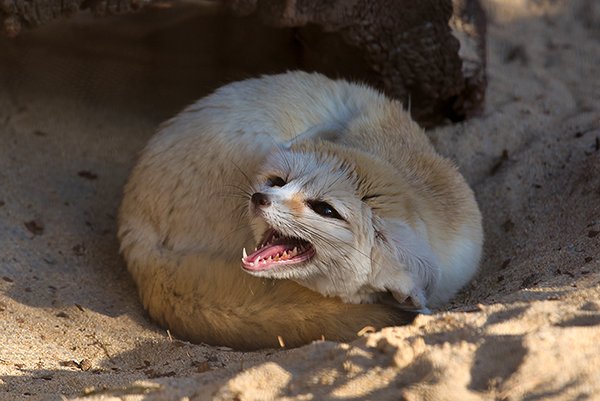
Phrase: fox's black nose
(261, 200)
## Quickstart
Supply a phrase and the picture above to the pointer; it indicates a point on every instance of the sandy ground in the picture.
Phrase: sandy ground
(79, 99)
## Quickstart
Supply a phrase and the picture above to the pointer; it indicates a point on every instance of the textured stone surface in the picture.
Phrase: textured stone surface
(406, 48)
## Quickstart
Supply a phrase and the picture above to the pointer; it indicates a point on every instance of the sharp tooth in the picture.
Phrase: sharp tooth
(284, 254)
(270, 258)
(244, 254)
(293, 252)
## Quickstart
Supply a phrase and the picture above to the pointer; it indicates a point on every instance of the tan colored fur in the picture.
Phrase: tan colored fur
(183, 220)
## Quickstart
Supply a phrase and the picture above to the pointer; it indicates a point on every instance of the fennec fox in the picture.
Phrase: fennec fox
(355, 217)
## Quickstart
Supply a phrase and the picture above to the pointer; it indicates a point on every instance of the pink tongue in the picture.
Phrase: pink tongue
(264, 253)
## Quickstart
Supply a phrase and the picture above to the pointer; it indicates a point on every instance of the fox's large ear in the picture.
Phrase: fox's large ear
(404, 264)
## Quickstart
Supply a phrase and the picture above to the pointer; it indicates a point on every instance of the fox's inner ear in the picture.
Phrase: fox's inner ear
(404, 263)
(330, 131)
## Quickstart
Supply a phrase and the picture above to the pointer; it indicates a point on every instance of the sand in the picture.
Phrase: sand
(80, 97)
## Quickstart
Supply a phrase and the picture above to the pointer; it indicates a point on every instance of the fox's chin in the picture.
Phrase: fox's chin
(286, 273)
(304, 273)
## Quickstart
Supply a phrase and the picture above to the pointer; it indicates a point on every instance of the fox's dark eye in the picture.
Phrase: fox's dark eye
(324, 209)
(276, 182)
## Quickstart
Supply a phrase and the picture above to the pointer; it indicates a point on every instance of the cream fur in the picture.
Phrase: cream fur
(411, 225)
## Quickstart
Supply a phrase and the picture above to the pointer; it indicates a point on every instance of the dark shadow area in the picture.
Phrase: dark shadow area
(546, 395)
(504, 315)
(582, 321)
(509, 351)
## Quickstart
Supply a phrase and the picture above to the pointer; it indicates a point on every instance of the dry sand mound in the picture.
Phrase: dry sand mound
(80, 98)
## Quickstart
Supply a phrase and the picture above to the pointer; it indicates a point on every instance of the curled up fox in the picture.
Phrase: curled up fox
(295, 206)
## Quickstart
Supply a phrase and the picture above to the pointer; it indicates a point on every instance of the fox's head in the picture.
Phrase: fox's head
(341, 222)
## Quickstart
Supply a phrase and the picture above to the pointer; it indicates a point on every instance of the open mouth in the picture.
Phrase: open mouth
(277, 250)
